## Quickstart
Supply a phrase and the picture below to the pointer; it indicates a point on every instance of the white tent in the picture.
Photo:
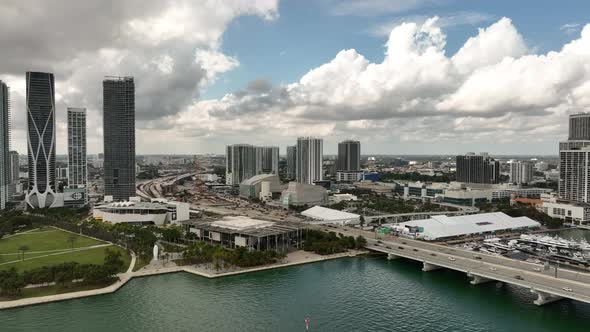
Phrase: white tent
(323, 215)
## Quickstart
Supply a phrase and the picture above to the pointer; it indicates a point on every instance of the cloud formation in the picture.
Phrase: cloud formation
(172, 48)
(494, 89)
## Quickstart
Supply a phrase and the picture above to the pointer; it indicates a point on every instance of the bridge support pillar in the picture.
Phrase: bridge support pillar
(544, 298)
(478, 279)
(429, 267)
(392, 256)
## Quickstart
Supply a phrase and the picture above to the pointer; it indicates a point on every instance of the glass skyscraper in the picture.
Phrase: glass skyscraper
(119, 137)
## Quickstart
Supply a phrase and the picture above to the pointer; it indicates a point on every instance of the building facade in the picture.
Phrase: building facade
(309, 160)
(291, 162)
(267, 160)
(521, 172)
(574, 164)
(15, 173)
(349, 156)
(41, 190)
(119, 137)
(5, 166)
(77, 164)
(240, 163)
(481, 168)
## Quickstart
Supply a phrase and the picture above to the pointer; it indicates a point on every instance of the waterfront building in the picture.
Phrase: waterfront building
(298, 194)
(267, 160)
(309, 160)
(481, 168)
(157, 212)
(291, 162)
(40, 103)
(240, 163)
(574, 165)
(521, 172)
(441, 227)
(254, 234)
(261, 186)
(570, 212)
(119, 137)
(5, 165)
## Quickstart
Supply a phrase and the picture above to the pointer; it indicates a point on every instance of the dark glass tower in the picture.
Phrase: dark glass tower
(349, 156)
(119, 137)
(41, 140)
(5, 166)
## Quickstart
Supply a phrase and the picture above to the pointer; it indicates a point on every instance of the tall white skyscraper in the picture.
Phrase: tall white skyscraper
(521, 172)
(574, 160)
(310, 154)
(5, 167)
(76, 193)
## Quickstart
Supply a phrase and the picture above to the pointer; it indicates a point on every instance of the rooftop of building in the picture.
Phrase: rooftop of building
(260, 177)
(246, 226)
(322, 213)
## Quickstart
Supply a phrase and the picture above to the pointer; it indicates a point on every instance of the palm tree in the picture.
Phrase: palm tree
(22, 249)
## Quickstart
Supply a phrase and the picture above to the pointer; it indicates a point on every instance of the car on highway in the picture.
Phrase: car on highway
(415, 249)
(567, 289)
(452, 259)
(388, 247)
(477, 257)
(433, 254)
(493, 269)
(538, 269)
(518, 277)
(379, 241)
(400, 247)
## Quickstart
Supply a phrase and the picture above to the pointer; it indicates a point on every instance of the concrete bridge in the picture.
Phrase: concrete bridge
(548, 286)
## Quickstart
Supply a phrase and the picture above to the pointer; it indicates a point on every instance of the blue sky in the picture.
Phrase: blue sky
(308, 33)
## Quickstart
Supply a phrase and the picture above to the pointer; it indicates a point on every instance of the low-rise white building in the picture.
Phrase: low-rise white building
(157, 212)
(337, 198)
(298, 194)
(575, 213)
(322, 215)
(444, 227)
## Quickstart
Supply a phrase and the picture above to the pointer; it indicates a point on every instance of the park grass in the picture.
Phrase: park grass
(52, 290)
(89, 256)
(46, 239)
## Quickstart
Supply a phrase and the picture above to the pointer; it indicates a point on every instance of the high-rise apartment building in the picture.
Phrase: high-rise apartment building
(240, 163)
(267, 160)
(481, 168)
(41, 190)
(291, 162)
(76, 193)
(521, 172)
(14, 167)
(309, 160)
(574, 160)
(119, 137)
(348, 164)
(5, 167)
(77, 164)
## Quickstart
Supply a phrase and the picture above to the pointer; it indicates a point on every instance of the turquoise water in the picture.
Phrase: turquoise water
(352, 294)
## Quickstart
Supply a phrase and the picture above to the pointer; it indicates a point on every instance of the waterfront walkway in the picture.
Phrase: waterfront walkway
(296, 258)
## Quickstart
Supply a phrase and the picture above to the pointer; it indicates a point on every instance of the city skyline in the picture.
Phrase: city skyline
(222, 92)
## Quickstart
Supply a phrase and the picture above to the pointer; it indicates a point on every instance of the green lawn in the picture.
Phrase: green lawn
(51, 290)
(46, 239)
(90, 256)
